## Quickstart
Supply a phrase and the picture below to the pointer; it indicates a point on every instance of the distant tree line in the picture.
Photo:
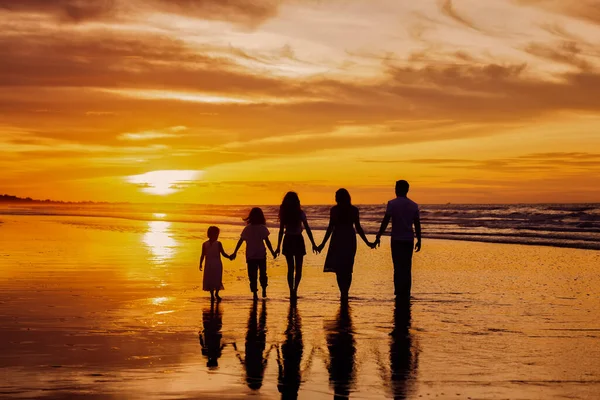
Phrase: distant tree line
(6, 198)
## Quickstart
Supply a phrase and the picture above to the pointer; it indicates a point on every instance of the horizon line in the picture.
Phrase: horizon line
(74, 202)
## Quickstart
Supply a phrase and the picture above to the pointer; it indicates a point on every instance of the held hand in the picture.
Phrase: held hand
(372, 245)
(321, 247)
(418, 246)
(377, 242)
(277, 252)
(315, 249)
(274, 254)
(233, 256)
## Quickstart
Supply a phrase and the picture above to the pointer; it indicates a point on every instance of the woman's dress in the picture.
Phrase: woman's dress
(342, 247)
(213, 268)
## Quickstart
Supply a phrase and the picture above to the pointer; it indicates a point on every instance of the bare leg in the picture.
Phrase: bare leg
(217, 296)
(299, 262)
(290, 275)
(212, 296)
(344, 281)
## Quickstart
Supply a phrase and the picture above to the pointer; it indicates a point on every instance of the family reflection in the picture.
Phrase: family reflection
(289, 356)
(341, 346)
(210, 337)
(342, 352)
(255, 359)
(403, 354)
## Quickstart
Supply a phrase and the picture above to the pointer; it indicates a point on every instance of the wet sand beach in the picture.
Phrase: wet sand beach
(112, 308)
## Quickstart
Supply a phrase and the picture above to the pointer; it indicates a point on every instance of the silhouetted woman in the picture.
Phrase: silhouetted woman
(255, 359)
(342, 352)
(344, 217)
(289, 357)
(210, 337)
(292, 220)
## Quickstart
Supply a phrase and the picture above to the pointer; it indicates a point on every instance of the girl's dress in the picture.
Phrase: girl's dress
(213, 267)
(342, 248)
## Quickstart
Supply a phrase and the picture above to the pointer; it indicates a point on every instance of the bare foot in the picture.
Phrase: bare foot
(264, 293)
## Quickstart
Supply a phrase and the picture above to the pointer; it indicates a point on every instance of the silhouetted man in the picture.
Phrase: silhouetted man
(404, 213)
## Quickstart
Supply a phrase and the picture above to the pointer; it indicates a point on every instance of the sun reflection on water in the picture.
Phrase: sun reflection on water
(159, 300)
(160, 241)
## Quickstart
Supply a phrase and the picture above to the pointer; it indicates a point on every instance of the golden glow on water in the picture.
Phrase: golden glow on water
(160, 241)
(159, 300)
(527, 312)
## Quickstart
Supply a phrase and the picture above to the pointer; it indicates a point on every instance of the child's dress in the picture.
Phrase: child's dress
(213, 267)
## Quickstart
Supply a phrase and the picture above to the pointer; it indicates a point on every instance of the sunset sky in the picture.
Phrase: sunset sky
(238, 101)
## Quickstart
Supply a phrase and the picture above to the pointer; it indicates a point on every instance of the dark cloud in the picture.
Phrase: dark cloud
(66, 10)
(105, 60)
(487, 91)
(587, 10)
(247, 12)
(565, 52)
(251, 12)
(535, 162)
(564, 155)
(448, 9)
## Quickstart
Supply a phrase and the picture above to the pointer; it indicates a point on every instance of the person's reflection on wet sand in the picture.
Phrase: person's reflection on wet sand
(403, 354)
(342, 352)
(210, 337)
(289, 356)
(255, 361)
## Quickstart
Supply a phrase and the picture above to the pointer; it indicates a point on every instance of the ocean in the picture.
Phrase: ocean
(557, 225)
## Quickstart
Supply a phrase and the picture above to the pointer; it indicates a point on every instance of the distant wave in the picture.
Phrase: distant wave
(558, 225)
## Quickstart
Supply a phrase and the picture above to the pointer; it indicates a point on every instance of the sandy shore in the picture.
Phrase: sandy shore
(103, 308)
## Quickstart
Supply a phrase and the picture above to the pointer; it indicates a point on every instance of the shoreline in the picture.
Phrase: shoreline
(589, 245)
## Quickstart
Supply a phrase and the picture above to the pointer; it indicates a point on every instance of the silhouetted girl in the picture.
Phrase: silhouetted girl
(291, 221)
(210, 337)
(289, 356)
(212, 250)
(256, 235)
(344, 217)
(255, 359)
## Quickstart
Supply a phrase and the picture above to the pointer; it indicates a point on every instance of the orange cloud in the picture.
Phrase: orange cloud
(99, 90)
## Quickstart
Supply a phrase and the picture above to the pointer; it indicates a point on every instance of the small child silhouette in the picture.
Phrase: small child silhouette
(256, 235)
(212, 250)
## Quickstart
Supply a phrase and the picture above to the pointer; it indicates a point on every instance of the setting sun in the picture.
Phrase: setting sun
(375, 199)
(166, 182)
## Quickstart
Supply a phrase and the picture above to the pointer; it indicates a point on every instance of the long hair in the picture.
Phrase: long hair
(256, 217)
(344, 203)
(290, 211)
(342, 198)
